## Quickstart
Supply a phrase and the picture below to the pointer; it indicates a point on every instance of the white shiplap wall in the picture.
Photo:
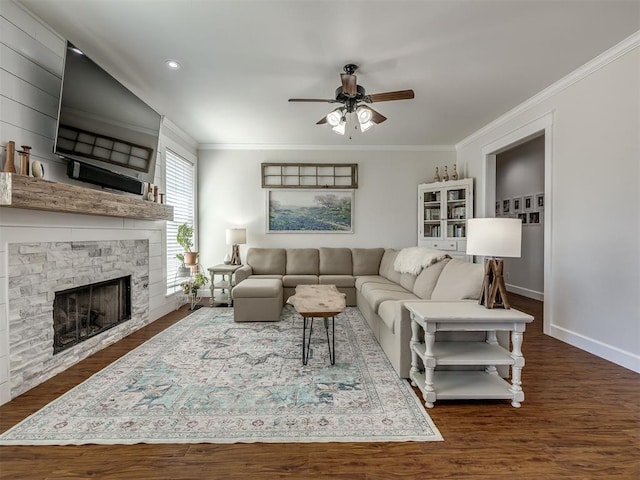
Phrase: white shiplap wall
(31, 65)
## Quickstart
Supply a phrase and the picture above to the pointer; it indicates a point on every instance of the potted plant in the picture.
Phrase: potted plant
(191, 287)
(184, 238)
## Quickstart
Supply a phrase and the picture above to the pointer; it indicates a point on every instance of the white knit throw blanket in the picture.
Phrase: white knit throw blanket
(414, 259)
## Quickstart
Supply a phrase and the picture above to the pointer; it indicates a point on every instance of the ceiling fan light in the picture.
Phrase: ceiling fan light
(340, 127)
(334, 117)
(364, 115)
(366, 126)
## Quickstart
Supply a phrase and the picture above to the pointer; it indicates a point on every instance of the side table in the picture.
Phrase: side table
(427, 318)
(221, 288)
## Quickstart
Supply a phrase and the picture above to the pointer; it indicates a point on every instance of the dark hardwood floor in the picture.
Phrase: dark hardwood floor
(580, 419)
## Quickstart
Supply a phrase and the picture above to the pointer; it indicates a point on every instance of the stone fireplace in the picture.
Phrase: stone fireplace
(73, 271)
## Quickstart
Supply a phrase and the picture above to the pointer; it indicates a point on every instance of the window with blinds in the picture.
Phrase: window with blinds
(180, 193)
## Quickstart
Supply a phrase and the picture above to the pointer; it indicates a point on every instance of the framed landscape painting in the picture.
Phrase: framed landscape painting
(309, 211)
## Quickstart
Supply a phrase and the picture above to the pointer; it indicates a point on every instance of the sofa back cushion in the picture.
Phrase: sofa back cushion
(267, 261)
(407, 280)
(426, 281)
(302, 261)
(366, 261)
(335, 261)
(386, 265)
(459, 281)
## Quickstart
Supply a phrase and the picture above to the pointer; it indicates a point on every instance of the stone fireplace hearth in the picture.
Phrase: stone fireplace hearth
(36, 271)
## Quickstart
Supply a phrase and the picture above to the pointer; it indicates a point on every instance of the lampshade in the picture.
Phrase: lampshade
(236, 236)
(494, 237)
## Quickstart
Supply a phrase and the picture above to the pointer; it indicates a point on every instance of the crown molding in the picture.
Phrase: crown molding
(366, 148)
(601, 61)
(184, 136)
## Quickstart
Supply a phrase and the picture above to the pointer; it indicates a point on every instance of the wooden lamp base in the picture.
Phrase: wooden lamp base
(494, 293)
(235, 255)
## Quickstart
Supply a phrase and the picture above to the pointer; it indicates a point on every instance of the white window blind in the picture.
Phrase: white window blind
(180, 194)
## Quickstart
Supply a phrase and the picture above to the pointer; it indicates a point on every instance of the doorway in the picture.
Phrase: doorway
(520, 194)
(540, 127)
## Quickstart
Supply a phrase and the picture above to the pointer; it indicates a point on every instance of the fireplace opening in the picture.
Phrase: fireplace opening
(83, 312)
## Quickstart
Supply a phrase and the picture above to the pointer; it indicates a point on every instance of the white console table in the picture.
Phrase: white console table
(427, 318)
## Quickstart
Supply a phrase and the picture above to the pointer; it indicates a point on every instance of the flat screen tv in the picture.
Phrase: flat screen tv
(102, 123)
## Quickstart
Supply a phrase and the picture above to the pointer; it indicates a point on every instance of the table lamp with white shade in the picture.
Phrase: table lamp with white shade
(236, 237)
(494, 238)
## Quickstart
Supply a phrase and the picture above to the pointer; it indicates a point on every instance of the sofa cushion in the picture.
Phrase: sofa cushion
(366, 261)
(386, 265)
(295, 280)
(360, 281)
(335, 261)
(302, 261)
(426, 281)
(459, 281)
(391, 287)
(272, 277)
(407, 280)
(267, 261)
(252, 288)
(390, 312)
(337, 280)
(375, 296)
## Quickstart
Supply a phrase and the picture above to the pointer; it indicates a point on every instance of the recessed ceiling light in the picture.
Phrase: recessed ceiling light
(172, 64)
(77, 50)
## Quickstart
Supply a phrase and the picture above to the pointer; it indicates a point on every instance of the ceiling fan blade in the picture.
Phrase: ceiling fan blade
(322, 100)
(387, 96)
(349, 83)
(376, 117)
(322, 121)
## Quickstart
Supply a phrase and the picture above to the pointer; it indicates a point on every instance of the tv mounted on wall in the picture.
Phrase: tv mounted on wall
(104, 124)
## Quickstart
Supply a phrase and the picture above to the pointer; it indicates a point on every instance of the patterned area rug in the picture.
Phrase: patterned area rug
(208, 379)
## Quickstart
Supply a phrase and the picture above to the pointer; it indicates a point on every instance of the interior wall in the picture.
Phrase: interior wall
(32, 60)
(230, 194)
(592, 287)
(520, 174)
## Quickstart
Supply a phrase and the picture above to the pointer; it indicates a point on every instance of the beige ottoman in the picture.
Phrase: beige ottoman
(257, 300)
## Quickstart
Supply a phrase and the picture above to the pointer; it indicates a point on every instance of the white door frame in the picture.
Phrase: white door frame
(540, 126)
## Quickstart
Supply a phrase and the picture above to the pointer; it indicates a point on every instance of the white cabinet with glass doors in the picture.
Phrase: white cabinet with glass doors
(443, 210)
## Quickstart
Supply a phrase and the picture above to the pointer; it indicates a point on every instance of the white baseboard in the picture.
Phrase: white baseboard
(619, 357)
(525, 292)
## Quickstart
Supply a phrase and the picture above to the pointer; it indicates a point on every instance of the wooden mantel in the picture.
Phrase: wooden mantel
(20, 191)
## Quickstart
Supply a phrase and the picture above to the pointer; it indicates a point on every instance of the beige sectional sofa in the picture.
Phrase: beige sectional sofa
(369, 280)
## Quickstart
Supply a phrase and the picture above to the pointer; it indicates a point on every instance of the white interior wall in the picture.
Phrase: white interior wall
(32, 61)
(230, 194)
(520, 173)
(593, 284)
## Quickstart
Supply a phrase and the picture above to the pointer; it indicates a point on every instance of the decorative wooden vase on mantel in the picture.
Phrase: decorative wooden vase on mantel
(9, 166)
(24, 160)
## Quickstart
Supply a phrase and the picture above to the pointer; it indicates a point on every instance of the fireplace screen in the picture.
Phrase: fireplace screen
(80, 313)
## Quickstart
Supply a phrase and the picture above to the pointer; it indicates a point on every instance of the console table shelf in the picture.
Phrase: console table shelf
(20, 191)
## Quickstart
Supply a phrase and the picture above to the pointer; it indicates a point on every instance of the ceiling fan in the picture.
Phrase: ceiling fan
(354, 97)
